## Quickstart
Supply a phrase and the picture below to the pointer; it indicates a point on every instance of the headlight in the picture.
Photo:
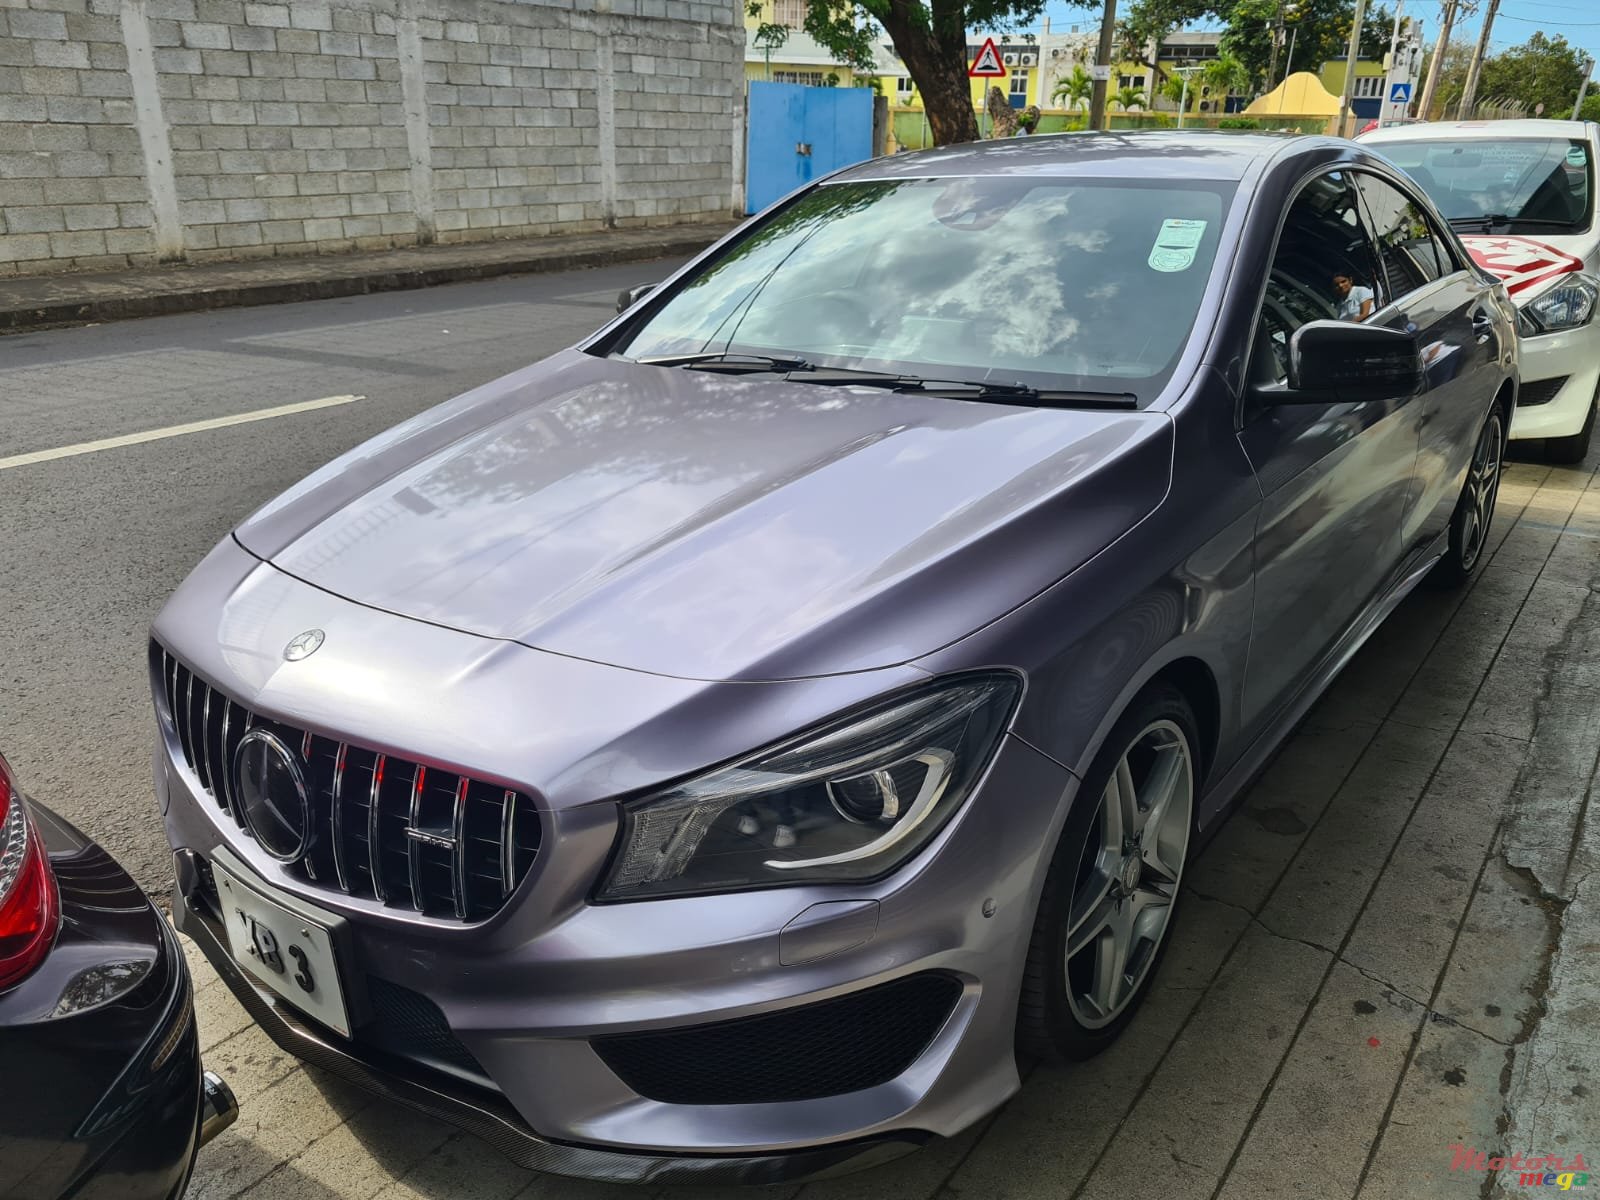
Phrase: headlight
(1566, 306)
(846, 802)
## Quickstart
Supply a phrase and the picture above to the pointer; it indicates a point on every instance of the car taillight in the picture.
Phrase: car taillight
(29, 906)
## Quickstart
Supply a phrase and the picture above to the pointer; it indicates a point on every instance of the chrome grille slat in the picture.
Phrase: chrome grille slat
(458, 859)
(185, 727)
(459, 836)
(171, 676)
(508, 844)
(338, 818)
(413, 846)
(374, 833)
(206, 777)
(225, 792)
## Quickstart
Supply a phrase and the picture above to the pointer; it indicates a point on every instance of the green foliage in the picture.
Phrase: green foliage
(1238, 123)
(1226, 74)
(1542, 70)
(1591, 107)
(1075, 89)
(1147, 21)
(1129, 97)
(1320, 30)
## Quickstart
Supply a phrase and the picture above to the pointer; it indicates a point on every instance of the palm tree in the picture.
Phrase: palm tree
(1225, 74)
(1075, 89)
(1128, 97)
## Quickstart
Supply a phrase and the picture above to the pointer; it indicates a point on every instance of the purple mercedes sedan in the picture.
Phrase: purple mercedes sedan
(727, 748)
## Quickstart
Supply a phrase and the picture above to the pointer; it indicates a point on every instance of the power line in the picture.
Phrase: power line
(1548, 21)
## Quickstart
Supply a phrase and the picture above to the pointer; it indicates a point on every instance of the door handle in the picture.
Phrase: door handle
(1482, 326)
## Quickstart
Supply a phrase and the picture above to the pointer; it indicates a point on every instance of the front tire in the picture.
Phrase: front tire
(1112, 887)
(1469, 527)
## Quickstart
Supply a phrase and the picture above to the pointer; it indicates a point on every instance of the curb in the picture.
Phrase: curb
(329, 283)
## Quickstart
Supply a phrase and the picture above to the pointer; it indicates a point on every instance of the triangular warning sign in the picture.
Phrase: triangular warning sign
(987, 65)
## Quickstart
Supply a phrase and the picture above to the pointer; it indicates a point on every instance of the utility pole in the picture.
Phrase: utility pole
(1102, 58)
(1183, 100)
(1276, 29)
(1469, 91)
(1389, 65)
(1583, 88)
(1350, 68)
(1436, 67)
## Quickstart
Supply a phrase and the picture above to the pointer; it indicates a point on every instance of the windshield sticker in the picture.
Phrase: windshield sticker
(1576, 157)
(1176, 244)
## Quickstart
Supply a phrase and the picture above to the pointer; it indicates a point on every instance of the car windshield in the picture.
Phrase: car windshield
(1050, 283)
(1540, 183)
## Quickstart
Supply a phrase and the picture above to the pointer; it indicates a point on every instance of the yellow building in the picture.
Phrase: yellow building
(794, 56)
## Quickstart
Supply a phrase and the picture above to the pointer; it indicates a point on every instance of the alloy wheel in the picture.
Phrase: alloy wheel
(1483, 485)
(1128, 874)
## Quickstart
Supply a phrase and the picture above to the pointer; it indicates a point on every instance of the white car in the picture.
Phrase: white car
(1522, 196)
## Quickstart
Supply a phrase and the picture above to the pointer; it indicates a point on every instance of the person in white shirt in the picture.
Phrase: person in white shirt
(1355, 301)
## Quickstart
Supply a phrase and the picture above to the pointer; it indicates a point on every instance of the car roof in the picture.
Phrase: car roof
(1152, 154)
(1427, 131)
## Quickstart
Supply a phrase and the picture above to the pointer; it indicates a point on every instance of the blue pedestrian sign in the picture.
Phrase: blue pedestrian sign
(1400, 93)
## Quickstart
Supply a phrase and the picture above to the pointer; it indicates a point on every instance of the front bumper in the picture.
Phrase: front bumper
(529, 1003)
(486, 1113)
(1561, 371)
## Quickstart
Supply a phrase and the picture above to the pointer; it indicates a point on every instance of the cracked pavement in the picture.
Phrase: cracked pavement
(1391, 949)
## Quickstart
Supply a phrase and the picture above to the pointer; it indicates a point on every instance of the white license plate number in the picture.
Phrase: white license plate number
(287, 953)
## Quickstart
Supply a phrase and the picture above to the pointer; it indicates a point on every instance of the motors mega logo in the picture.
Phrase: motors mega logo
(1544, 1170)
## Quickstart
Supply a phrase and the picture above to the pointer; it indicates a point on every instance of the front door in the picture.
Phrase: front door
(1446, 307)
(1334, 478)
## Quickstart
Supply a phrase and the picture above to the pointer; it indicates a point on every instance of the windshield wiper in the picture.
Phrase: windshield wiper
(722, 360)
(1489, 221)
(969, 389)
(1019, 393)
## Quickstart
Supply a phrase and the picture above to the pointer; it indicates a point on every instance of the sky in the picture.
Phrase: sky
(1576, 20)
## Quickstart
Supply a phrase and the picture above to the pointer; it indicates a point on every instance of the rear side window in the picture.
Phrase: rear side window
(1412, 253)
(1322, 270)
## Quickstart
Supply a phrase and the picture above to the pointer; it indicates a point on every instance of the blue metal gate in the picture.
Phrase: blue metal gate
(798, 133)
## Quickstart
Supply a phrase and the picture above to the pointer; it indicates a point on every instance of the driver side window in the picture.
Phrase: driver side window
(1322, 270)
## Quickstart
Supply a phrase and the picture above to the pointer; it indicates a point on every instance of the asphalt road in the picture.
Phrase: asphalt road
(91, 545)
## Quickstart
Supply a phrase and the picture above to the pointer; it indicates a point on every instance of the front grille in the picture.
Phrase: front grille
(408, 1024)
(382, 827)
(1540, 391)
(825, 1049)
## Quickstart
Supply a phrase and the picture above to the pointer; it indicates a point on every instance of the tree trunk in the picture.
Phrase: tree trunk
(937, 61)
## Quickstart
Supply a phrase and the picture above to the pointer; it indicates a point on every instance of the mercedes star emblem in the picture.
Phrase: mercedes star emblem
(303, 645)
(269, 784)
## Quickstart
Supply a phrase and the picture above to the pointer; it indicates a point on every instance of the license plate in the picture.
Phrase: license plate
(283, 950)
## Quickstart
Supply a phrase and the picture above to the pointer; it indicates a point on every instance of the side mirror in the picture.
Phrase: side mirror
(632, 296)
(1341, 362)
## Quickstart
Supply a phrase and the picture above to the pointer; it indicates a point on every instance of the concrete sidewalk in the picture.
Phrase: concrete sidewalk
(1382, 977)
(42, 301)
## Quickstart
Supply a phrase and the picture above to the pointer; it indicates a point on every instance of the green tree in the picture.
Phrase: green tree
(1129, 97)
(1543, 70)
(1148, 23)
(1075, 89)
(1321, 33)
(930, 36)
(1591, 106)
(1226, 73)
(1452, 79)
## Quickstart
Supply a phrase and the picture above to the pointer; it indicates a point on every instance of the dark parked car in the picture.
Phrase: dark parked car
(722, 748)
(101, 1093)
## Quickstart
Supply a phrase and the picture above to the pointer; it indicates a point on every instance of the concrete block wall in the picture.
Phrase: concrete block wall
(137, 131)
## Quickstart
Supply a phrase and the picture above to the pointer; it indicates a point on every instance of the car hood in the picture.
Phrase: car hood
(1529, 265)
(714, 527)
